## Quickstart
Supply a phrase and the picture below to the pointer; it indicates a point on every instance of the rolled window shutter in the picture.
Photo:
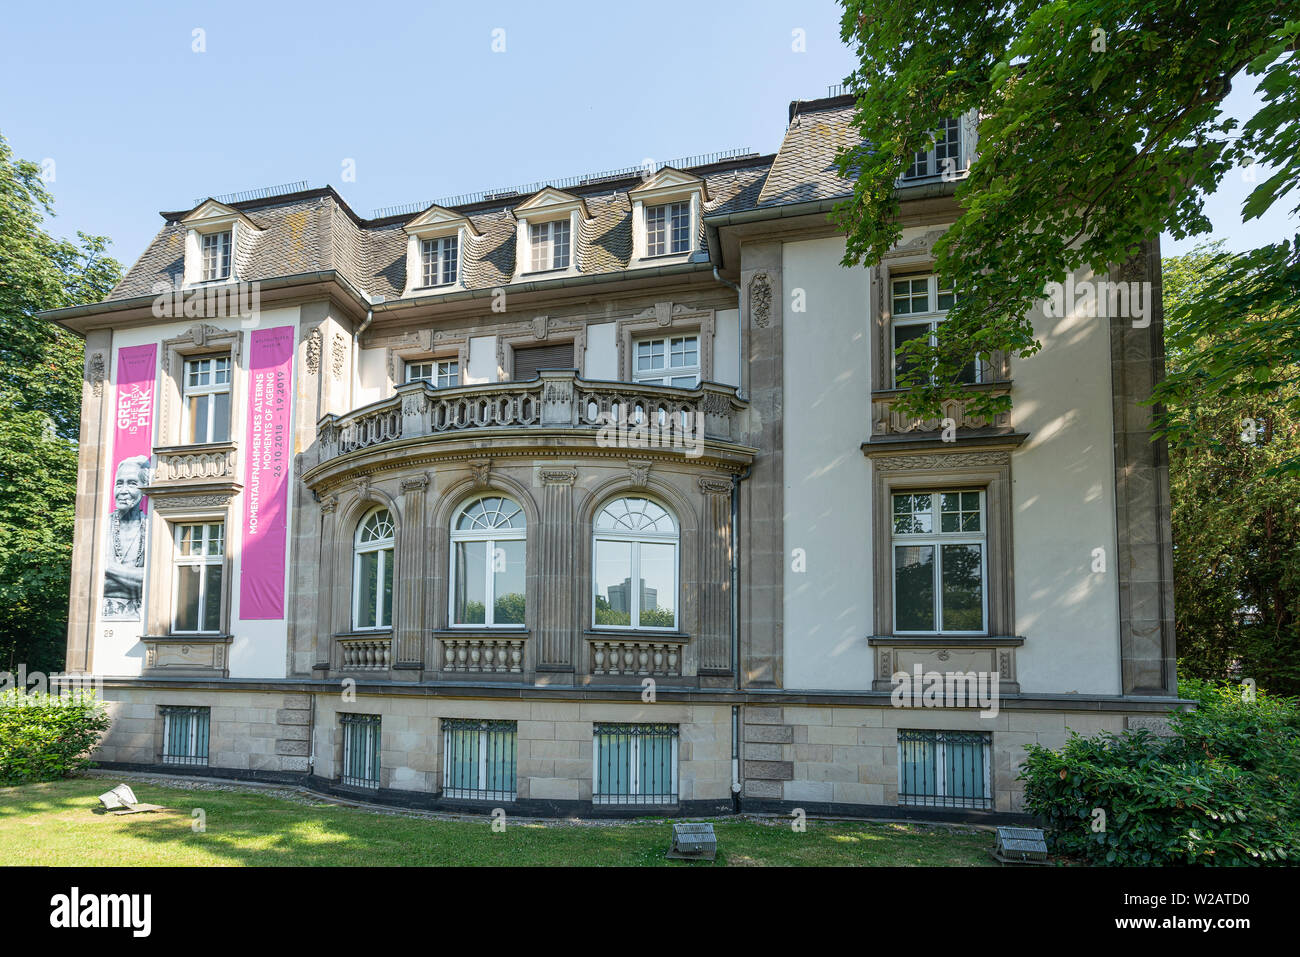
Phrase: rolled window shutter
(533, 358)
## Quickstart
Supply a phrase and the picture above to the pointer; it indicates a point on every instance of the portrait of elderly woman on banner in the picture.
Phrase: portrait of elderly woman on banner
(124, 573)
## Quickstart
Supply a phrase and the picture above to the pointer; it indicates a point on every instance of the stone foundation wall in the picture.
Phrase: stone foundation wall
(792, 755)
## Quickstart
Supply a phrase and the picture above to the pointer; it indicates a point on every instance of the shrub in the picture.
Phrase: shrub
(1224, 789)
(44, 737)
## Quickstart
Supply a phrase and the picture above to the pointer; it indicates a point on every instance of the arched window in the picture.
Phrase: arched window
(635, 542)
(487, 563)
(372, 571)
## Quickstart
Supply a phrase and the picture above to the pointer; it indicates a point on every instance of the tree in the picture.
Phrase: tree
(1100, 125)
(1235, 512)
(40, 405)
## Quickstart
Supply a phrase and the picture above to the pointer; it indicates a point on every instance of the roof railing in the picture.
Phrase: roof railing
(263, 193)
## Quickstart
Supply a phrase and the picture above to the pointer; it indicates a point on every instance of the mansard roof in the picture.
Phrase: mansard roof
(315, 230)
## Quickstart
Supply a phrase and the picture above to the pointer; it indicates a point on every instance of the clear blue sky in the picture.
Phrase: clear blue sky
(136, 121)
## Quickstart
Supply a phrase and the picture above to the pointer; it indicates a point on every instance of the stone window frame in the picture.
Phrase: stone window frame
(541, 331)
(985, 469)
(197, 341)
(913, 257)
(665, 319)
(160, 574)
(454, 536)
(349, 515)
(426, 348)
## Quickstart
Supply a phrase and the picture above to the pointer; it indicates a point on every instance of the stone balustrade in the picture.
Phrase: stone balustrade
(211, 462)
(618, 412)
(886, 419)
(635, 656)
(365, 654)
(483, 655)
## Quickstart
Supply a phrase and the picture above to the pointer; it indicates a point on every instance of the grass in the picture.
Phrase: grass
(58, 823)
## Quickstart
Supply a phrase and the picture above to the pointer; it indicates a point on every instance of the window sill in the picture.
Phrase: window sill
(636, 634)
(923, 641)
(366, 633)
(482, 631)
(194, 637)
(993, 385)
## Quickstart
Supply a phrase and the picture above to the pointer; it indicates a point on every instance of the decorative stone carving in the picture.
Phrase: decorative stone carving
(1004, 665)
(540, 327)
(558, 476)
(482, 470)
(97, 374)
(715, 484)
(329, 504)
(416, 404)
(638, 472)
(418, 484)
(175, 502)
(313, 352)
(663, 313)
(942, 460)
(339, 355)
(760, 300)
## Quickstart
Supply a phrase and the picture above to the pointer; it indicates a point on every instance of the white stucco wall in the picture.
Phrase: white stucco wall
(372, 377)
(600, 360)
(828, 607)
(726, 347)
(482, 361)
(259, 647)
(1063, 496)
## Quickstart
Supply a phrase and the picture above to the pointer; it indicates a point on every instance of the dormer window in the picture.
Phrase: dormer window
(213, 232)
(436, 240)
(441, 259)
(550, 245)
(668, 229)
(216, 255)
(666, 212)
(944, 159)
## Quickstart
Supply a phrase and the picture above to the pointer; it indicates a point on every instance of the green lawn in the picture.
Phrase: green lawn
(58, 824)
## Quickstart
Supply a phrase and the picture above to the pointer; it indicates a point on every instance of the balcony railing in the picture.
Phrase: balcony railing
(557, 400)
(212, 462)
(887, 420)
(365, 654)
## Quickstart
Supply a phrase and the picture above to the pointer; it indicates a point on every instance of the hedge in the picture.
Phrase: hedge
(44, 737)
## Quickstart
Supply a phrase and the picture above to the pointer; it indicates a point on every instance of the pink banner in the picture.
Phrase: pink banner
(132, 447)
(266, 486)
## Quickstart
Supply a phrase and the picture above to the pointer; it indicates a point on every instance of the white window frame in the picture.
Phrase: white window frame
(203, 560)
(206, 392)
(542, 245)
(931, 162)
(941, 797)
(937, 540)
(386, 548)
(669, 371)
(491, 536)
(482, 791)
(634, 770)
(637, 539)
(441, 373)
(190, 756)
(671, 212)
(216, 255)
(930, 317)
(442, 256)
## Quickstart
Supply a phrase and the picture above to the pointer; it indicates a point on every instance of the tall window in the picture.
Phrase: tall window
(488, 563)
(199, 563)
(372, 576)
(185, 734)
(479, 759)
(440, 258)
(634, 764)
(920, 302)
(361, 745)
(207, 399)
(550, 245)
(940, 572)
(944, 768)
(673, 360)
(635, 558)
(668, 229)
(944, 159)
(216, 255)
(441, 373)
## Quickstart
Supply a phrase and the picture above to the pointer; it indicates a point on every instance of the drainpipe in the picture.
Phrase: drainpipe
(311, 738)
(735, 634)
(726, 282)
(356, 346)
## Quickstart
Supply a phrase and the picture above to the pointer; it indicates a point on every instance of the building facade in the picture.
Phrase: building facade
(591, 498)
